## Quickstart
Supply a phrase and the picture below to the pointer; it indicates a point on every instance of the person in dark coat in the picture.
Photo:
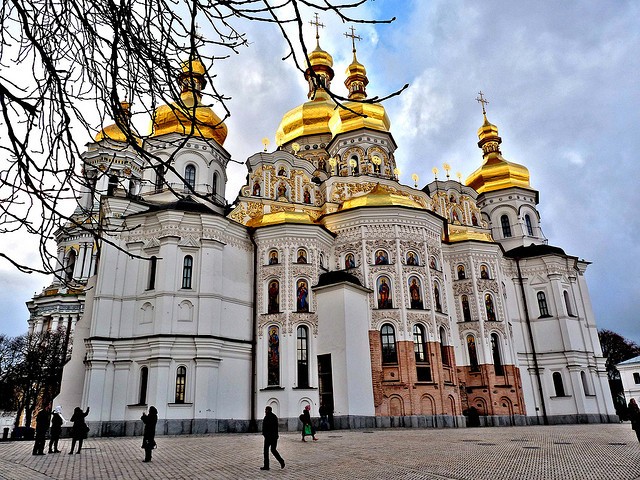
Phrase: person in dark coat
(633, 412)
(56, 429)
(270, 434)
(42, 425)
(148, 438)
(79, 430)
(307, 426)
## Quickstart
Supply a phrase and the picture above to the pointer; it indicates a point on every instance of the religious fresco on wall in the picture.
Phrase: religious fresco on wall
(382, 258)
(302, 296)
(384, 292)
(349, 261)
(302, 256)
(415, 293)
(273, 257)
(274, 297)
(273, 357)
(412, 258)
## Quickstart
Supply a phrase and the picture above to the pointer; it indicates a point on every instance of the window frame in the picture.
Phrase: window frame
(558, 384)
(190, 173)
(144, 382)
(505, 223)
(302, 356)
(389, 350)
(543, 306)
(187, 272)
(181, 384)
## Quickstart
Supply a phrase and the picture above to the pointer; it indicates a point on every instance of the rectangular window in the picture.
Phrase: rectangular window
(187, 271)
(153, 265)
(636, 378)
(181, 383)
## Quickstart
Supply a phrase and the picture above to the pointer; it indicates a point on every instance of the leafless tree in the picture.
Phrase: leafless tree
(71, 64)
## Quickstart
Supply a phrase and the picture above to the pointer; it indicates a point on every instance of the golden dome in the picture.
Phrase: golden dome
(278, 218)
(496, 173)
(114, 132)
(379, 197)
(312, 117)
(179, 117)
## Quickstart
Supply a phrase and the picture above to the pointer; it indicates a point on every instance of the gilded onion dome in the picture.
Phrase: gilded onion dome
(358, 115)
(114, 132)
(312, 117)
(189, 116)
(496, 173)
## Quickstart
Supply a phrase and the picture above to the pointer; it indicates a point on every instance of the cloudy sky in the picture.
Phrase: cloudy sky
(563, 82)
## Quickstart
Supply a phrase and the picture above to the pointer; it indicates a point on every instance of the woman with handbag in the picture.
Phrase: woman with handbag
(79, 430)
(307, 427)
(148, 438)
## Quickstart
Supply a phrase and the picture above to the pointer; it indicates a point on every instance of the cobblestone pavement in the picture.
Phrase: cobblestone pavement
(594, 452)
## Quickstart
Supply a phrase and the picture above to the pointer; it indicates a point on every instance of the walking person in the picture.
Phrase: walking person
(270, 434)
(307, 426)
(633, 412)
(148, 438)
(56, 429)
(79, 430)
(42, 425)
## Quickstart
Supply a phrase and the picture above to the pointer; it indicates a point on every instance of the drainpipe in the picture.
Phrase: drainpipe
(533, 348)
(253, 424)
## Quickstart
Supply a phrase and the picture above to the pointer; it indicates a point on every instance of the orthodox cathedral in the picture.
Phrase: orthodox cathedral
(325, 283)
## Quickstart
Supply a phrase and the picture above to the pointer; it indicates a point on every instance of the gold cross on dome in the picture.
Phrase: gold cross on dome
(318, 25)
(353, 37)
(483, 101)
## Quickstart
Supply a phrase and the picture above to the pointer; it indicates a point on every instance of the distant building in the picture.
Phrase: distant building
(630, 376)
(325, 282)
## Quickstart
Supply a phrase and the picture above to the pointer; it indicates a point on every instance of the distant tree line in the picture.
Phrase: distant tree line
(31, 371)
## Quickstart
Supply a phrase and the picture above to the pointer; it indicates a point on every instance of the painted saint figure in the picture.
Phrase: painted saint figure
(381, 258)
(414, 294)
(256, 189)
(307, 196)
(273, 258)
(436, 297)
(274, 294)
(273, 363)
(302, 295)
(488, 303)
(461, 272)
(484, 271)
(349, 261)
(411, 259)
(302, 256)
(384, 294)
(282, 190)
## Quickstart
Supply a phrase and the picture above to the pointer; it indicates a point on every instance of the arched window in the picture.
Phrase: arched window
(542, 305)
(506, 227)
(585, 384)
(461, 273)
(153, 265)
(144, 379)
(423, 370)
(303, 356)
(181, 384)
(273, 356)
(71, 264)
(466, 311)
(273, 293)
(214, 185)
(388, 339)
(557, 384)
(495, 352)
(488, 305)
(302, 296)
(567, 303)
(527, 222)
(190, 177)
(112, 185)
(444, 354)
(187, 271)
(473, 354)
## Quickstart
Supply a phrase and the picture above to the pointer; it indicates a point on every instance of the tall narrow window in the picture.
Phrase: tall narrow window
(495, 351)
(557, 384)
(153, 265)
(187, 271)
(214, 185)
(159, 178)
(567, 303)
(388, 337)
(473, 354)
(585, 384)
(436, 297)
(527, 222)
(636, 378)
(443, 347)
(144, 379)
(423, 369)
(542, 305)
(71, 264)
(112, 185)
(181, 384)
(466, 311)
(303, 356)
(506, 227)
(273, 357)
(189, 177)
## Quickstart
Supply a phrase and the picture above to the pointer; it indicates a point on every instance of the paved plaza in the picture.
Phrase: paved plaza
(595, 452)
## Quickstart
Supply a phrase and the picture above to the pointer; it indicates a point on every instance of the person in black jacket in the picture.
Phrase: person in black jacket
(148, 438)
(56, 429)
(79, 430)
(42, 425)
(270, 434)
